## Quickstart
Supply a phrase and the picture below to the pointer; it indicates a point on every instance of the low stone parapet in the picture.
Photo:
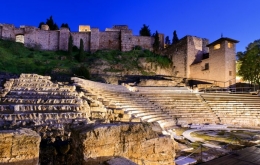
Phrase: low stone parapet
(19, 147)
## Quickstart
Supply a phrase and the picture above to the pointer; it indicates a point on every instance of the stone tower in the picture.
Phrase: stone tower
(222, 63)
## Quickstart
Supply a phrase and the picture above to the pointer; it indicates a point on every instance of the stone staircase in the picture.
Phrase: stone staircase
(239, 110)
(134, 107)
(33, 100)
(185, 107)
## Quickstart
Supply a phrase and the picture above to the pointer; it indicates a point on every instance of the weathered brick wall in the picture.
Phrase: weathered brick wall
(119, 38)
(48, 39)
(221, 61)
(30, 36)
(143, 41)
(7, 32)
(85, 36)
(64, 39)
(109, 40)
(126, 40)
(230, 62)
(178, 54)
(196, 47)
(94, 39)
(19, 147)
(1, 27)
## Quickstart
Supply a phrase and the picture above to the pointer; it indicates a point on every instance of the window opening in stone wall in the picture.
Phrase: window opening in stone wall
(19, 38)
(217, 46)
(230, 73)
(206, 67)
(230, 45)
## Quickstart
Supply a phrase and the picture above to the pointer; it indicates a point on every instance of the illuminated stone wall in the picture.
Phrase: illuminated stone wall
(109, 40)
(116, 38)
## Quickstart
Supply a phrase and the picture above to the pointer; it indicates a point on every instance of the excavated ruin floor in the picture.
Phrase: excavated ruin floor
(229, 142)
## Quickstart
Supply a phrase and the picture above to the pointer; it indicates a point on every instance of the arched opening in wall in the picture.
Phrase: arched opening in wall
(19, 38)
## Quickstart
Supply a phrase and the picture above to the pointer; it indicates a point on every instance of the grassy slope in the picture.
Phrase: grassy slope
(15, 58)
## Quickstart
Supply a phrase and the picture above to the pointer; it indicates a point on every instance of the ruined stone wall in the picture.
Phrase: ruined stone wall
(126, 40)
(217, 67)
(19, 147)
(137, 142)
(109, 40)
(143, 41)
(230, 64)
(85, 36)
(118, 38)
(64, 39)
(196, 48)
(178, 54)
(94, 39)
(7, 31)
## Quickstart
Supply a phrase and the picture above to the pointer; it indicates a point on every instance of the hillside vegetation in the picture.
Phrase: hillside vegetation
(15, 58)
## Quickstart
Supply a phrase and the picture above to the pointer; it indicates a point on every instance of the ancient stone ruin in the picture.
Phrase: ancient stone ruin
(56, 122)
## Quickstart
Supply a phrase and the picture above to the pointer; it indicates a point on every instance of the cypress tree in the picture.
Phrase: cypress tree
(81, 51)
(70, 45)
(156, 43)
(175, 38)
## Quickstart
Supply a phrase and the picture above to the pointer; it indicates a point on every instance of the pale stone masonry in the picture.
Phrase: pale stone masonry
(117, 38)
(19, 147)
(195, 59)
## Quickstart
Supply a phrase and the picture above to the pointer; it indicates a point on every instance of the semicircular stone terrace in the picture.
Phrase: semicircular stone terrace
(33, 100)
(171, 106)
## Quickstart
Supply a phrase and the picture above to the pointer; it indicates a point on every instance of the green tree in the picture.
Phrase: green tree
(175, 38)
(145, 31)
(65, 25)
(40, 24)
(167, 41)
(156, 44)
(70, 45)
(250, 63)
(81, 51)
(52, 25)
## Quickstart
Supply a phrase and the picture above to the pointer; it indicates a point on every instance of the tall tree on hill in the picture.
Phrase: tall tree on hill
(250, 63)
(175, 38)
(167, 41)
(40, 25)
(70, 45)
(52, 25)
(81, 51)
(145, 31)
(156, 44)
(65, 25)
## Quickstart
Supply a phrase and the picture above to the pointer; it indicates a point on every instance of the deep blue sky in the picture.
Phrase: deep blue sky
(237, 19)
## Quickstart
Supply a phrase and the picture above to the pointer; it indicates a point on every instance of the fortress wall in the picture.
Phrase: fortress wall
(19, 147)
(49, 40)
(178, 55)
(64, 39)
(8, 32)
(1, 27)
(109, 40)
(19, 31)
(94, 39)
(196, 49)
(85, 36)
(143, 41)
(126, 40)
(30, 37)
(230, 62)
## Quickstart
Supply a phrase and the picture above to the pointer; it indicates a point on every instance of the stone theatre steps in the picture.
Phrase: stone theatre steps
(138, 108)
(33, 100)
(235, 109)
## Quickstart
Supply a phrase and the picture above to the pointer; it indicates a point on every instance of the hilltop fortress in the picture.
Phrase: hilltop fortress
(117, 38)
(194, 59)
